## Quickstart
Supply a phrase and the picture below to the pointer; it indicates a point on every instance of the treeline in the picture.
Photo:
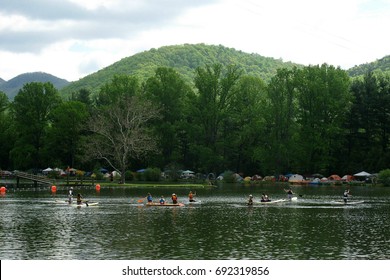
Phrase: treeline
(314, 119)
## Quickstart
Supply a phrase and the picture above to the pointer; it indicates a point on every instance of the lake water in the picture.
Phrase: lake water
(34, 226)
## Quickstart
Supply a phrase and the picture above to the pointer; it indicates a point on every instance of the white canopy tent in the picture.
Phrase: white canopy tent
(362, 174)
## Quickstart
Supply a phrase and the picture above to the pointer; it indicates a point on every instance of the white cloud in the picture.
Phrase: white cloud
(72, 38)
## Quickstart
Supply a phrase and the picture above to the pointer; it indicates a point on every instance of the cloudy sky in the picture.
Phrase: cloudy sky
(73, 38)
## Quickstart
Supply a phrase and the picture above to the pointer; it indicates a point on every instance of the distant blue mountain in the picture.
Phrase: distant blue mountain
(12, 87)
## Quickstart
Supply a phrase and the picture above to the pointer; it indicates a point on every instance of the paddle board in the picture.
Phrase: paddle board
(194, 202)
(349, 202)
(85, 205)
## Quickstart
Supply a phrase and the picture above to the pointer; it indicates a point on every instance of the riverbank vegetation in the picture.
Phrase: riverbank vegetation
(313, 119)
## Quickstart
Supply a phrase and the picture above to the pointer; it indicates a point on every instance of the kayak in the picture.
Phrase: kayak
(85, 205)
(273, 201)
(74, 203)
(278, 200)
(165, 204)
(348, 202)
(194, 202)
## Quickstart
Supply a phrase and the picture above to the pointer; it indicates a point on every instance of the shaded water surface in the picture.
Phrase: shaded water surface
(34, 226)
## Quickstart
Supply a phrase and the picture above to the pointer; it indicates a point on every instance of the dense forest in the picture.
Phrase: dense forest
(299, 119)
(184, 59)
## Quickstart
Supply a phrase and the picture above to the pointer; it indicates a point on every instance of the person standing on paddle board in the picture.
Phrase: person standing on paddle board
(70, 195)
(174, 198)
(191, 197)
(345, 195)
(290, 193)
(250, 200)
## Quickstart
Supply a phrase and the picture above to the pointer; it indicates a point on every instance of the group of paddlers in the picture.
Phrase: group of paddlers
(265, 197)
(174, 198)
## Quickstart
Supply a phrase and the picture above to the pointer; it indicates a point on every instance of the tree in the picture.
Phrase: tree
(64, 136)
(214, 100)
(168, 91)
(280, 128)
(121, 132)
(31, 109)
(119, 87)
(6, 132)
(243, 127)
(323, 102)
(369, 123)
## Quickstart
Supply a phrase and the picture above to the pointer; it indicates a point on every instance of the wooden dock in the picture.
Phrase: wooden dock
(37, 179)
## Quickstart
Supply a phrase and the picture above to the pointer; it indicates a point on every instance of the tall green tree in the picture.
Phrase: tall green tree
(120, 86)
(169, 92)
(31, 109)
(277, 150)
(369, 123)
(6, 132)
(324, 100)
(215, 92)
(243, 127)
(65, 135)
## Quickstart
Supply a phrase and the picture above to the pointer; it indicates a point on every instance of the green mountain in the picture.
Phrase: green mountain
(382, 64)
(12, 87)
(185, 59)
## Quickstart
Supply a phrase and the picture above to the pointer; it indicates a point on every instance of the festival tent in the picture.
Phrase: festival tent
(334, 177)
(296, 178)
(362, 174)
(247, 179)
(347, 178)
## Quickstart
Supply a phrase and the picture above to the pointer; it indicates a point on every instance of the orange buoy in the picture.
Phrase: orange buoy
(97, 187)
(53, 188)
(3, 189)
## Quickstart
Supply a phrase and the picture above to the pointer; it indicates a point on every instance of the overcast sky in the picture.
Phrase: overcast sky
(73, 38)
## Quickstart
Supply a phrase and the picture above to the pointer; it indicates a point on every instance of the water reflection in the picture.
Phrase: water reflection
(222, 227)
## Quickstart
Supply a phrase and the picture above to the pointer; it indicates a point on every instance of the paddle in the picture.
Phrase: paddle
(86, 203)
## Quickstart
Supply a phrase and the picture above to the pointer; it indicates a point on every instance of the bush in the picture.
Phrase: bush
(384, 177)
(152, 174)
(228, 177)
(129, 175)
(98, 174)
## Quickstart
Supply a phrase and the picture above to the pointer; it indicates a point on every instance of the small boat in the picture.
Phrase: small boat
(194, 202)
(273, 201)
(279, 200)
(164, 204)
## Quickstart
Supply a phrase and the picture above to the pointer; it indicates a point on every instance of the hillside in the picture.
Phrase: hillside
(12, 87)
(185, 59)
(382, 64)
